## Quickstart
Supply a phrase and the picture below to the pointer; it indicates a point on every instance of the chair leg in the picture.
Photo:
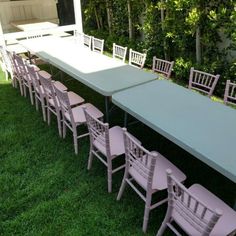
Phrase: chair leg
(168, 219)
(109, 176)
(21, 87)
(162, 228)
(75, 140)
(43, 109)
(6, 74)
(90, 160)
(31, 95)
(25, 91)
(122, 187)
(59, 124)
(147, 211)
(36, 102)
(49, 115)
(64, 128)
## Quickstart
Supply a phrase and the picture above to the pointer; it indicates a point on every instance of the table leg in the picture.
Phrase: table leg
(125, 119)
(107, 108)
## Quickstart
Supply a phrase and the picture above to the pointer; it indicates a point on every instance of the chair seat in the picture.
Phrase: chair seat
(74, 99)
(45, 74)
(159, 178)
(59, 85)
(116, 138)
(78, 113)
(227, 222)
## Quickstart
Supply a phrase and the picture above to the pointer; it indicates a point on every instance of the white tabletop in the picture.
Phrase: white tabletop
(33, 24)
(99, 72)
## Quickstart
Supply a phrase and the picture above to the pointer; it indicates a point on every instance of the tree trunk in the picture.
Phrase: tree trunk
(97, 18)
(130, 20)
(109, 16)
(198, 45)
(163, 30)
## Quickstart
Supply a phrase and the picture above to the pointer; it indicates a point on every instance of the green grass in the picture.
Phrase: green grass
(46, 190)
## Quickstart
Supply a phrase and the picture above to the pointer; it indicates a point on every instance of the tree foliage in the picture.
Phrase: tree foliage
(180, 30)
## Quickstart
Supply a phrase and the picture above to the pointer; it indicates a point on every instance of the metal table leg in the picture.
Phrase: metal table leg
(107, 108)
(125, 119)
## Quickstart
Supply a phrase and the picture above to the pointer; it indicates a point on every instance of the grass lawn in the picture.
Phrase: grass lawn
(45, 189)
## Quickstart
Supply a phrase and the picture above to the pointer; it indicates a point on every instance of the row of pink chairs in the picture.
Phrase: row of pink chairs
(196, 210)
(53, 96)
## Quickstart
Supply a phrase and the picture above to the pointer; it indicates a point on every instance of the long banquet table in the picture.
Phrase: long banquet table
(103, 74)
(204, 128)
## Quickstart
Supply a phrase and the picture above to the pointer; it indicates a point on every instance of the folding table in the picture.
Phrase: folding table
(103, 74)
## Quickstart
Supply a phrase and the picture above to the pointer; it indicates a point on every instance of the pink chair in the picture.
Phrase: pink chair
(202, 81)
(52, 101)
(137, 59)
(72, 117)
(163, 67)
(26, 80)
(38, 89)
(105, 143)
(230, 93)
(147, 169)
(5, 63)
(15, 73)
(197, 211)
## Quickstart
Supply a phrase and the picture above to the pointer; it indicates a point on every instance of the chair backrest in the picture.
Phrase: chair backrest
(136, 58)
(16, 66)
(184, 207)
(230, 93)
(139, 158)
(6, 60)
(87, 40)
(97, 45)
(119, 52)
(49, 90)
(20, 66)
(162, 66)
(33, 75)
(202, 81)
(63, 100)
(98, 131)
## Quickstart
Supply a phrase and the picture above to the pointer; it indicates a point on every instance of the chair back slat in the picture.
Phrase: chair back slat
(49, 90)
(202, 81)
(139, 159)
(230, 93)
(162, 66)
(98, 131)
(63, 100)
(119, 52)
(33, 75)
(136, 58)
(97, 45)
(87, 40)
(21, 66)
(183, 204)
